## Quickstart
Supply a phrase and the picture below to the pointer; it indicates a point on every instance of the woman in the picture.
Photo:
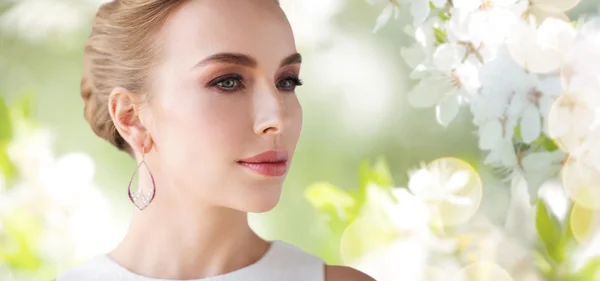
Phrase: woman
(202, 94)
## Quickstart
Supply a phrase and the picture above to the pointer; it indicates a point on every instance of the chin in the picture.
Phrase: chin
(262, 199)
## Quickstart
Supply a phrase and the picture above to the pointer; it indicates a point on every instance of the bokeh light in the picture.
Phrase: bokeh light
(482, 271)
(569, 121)
(581, 182)
(584, 223)
(452, 188)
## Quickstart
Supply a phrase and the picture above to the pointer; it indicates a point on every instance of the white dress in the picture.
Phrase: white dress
(282, 262)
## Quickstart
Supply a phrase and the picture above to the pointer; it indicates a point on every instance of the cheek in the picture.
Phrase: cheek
(200, 125)
(296, 115)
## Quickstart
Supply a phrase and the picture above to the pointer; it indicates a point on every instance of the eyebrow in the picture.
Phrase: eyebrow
(245, 60)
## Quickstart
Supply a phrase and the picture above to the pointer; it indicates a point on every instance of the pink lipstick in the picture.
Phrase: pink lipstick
(270, 163)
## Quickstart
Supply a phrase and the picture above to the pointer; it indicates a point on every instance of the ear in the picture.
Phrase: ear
(124, 108)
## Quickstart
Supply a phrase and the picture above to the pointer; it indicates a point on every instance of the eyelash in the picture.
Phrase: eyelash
(296, 82)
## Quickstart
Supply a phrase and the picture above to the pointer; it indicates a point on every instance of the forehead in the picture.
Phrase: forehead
(200, 28)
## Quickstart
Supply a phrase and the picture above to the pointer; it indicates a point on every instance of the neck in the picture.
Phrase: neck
(172, 240)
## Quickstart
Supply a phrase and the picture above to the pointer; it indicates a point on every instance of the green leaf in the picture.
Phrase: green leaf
(330, 199)
(578, 22)
(24, 105)
(378, 174)
(440, 36)
(542, 264)
(21, 235)
(567, 242)
(6, 133)
(381, 173)
(590, 271)
(364, 175)
(6, 130)
(7, 169)
(544, 142)
(549, 230)
(431, 6)
(549, 144)
(362, 236)
(517, 132)
(444, 16)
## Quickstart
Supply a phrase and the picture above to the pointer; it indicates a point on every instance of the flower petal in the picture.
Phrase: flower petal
(414, 55)
(490, 134)
(408, 204)
(559, 120)
(491, 27)
(531, 124)
(525, 50)
(396, 12)
(582, 119)
(447, 110)
(458, 181)
(420, 182)
(427, 93)
(384, 17)
(459, 200)
(439, 3)
(420, 11)
(468, 74)
(556, 34)
(503, 154)
(543, 12)
(467, 5)
(536, 161)
(563, 5)
(447, 57)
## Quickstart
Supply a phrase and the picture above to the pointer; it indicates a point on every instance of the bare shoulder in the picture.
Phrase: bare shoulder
(345, 273)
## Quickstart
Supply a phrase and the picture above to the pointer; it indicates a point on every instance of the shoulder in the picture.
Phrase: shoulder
(339, 273)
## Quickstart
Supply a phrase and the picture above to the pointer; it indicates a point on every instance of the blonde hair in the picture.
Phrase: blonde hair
(120, 52)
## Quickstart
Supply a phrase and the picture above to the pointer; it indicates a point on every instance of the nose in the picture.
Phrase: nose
(269, 108)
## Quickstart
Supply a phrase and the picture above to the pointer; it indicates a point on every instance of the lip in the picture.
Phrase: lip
(270, 163)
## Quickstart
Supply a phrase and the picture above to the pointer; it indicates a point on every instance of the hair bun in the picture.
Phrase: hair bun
(110, 60)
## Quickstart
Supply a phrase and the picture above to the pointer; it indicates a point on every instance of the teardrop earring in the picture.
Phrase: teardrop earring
(141, 199)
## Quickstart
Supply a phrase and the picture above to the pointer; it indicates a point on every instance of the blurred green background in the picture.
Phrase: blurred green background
(353, 98)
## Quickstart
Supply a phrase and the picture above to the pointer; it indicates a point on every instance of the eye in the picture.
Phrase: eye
(228, 83)
(289, 84)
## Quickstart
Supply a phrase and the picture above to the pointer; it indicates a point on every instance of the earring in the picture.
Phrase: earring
(141, 199)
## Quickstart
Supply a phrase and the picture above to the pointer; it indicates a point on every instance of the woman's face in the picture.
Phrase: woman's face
(224, 92)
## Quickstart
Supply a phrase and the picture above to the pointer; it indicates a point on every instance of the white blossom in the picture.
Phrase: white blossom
(403, 259)
(571, 118)
(543, 9)
(392, 9)
(447, 85)
(520, 216)
(525, 49)
(420, 9)
(580, 69)
(532, 104)
(556, 199)
(538, 167)
(581, 178)
(500, 78)
(419, 56)
(439, 183)
(489, 21)
(58, 191)
(445, 91)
